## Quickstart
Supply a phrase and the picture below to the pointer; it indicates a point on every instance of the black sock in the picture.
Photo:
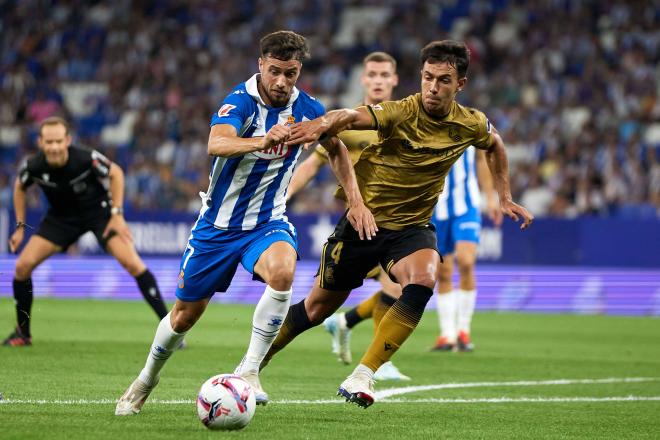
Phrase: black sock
(416, 296)
(23, 297)
(352, 318)
(149, 288)
(299, 319)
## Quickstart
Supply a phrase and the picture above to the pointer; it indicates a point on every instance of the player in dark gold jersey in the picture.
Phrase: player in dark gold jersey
(400, 178)
(378, 80)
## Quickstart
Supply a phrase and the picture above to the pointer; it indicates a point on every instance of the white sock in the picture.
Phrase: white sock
(447, 315)
(466, 302)
(266, 322)
(165, 342)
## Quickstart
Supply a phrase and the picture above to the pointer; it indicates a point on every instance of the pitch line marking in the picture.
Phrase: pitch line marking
(336, 401)
(522, 383)
(382, 396)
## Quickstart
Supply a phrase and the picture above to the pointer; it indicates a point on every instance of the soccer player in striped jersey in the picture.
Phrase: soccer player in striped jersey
(378, 79)
(457, 220)
(242, 218)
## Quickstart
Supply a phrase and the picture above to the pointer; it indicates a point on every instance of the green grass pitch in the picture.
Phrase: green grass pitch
(89, 351)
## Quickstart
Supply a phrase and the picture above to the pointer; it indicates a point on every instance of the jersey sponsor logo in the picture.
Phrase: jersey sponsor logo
(225, 109)
(436, 151)
(376, 106)
(274, 152)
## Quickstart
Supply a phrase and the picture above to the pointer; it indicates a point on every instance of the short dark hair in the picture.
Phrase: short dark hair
(285, 46)
(54, 120)
(456, 53)
(380, 57)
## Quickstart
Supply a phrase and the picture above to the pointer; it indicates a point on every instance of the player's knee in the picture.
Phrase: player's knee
(317, 314)
(425, 279)
(465, 262)
(444, 276)
(280, 276)
(182, 321)
(24, 268)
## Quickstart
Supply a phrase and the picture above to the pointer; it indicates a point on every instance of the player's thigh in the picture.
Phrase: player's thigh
(320, 303)
(445, 272)
(205, 270)
(346, 260)
(466, 253)
(420, 267)
(387, 285)
(465, 233)
(345, 264)
(412, 257)
(33, 254)
(271, 254)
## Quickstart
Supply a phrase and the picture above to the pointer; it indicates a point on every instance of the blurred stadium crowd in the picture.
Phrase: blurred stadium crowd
(573, 86)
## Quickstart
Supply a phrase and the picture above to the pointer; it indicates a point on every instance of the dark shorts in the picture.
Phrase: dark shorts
(346, 260)
(64, 232)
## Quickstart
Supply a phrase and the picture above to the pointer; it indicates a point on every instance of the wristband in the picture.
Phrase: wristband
(117, 210)
(22, 225)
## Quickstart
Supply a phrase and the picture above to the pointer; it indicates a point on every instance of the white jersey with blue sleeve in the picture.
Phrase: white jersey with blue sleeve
(461, 192)
(250, 190)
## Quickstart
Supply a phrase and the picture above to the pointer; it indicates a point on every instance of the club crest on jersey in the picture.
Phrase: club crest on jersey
(290, 120)
(225, 109)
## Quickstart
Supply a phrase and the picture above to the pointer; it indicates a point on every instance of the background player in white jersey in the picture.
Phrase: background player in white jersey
(242, 216)
(378, 80)
(457, 219)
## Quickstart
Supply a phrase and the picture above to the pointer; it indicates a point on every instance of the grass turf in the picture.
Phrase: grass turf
(92, 350)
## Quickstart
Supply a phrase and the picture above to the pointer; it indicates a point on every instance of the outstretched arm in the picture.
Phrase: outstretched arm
(499, 169)
(304, 172)
(486, 185)
(360, 217)
(332, 123)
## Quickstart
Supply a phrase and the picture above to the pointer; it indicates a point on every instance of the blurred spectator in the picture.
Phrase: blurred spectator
(571, 86)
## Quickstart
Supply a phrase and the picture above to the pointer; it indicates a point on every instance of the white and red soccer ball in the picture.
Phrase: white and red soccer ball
(225, 401)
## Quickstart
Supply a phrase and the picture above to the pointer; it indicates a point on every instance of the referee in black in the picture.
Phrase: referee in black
(71, 178)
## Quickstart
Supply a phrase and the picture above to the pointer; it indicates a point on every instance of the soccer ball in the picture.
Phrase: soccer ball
(226, 402)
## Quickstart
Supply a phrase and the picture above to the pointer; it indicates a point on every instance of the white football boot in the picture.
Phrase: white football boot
(358, 388)
(252, 377)
(131, 402)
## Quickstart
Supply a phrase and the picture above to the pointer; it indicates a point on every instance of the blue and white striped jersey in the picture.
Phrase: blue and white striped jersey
(250, 190)
(461, 191)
